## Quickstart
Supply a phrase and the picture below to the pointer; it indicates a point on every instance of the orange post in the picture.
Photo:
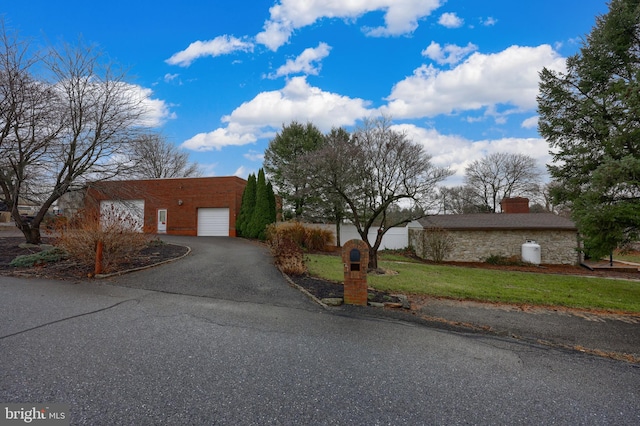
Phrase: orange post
(98, 269)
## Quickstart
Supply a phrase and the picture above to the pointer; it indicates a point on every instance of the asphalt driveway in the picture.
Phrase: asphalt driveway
(222, 268)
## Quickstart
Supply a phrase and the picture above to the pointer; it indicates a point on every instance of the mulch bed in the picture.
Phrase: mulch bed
(323, 289)
(71, 270)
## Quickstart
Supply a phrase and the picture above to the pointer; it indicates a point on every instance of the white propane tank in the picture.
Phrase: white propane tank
(531, 252)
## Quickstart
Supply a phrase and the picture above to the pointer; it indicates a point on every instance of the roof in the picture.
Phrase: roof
(502, 221)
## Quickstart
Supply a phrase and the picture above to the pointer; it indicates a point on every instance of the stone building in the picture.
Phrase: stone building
(476, 237)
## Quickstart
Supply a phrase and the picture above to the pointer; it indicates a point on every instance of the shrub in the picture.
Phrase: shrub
(317, 239)
(46, 256)
(116, 230)
(437, 244)
(496, 259)
(288, 255)
(310, 238)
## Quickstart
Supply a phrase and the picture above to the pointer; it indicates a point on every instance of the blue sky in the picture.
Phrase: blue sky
(459, 76)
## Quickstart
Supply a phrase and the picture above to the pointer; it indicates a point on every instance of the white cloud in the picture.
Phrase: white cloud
(457, 152)
(156, 111)
(450, 20)
(254, 155)
(218, 139)
(221, 45)
(450, 54)
(400, 16)
(168, 78)
(307, 62)
(267, 111)
(299, 101)
(509, 77)
(489, 22)
(530, 123)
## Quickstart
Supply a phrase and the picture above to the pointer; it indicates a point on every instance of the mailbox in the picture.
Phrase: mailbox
(355, 257)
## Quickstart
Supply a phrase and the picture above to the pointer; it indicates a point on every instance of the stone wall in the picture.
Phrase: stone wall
(556, 247)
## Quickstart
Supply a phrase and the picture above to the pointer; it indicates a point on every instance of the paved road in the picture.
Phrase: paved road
(240, 346)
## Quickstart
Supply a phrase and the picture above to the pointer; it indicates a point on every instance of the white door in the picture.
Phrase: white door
(213, 222)
(162, 221)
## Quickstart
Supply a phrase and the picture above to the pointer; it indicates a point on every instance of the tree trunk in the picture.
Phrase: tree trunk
(31, 232)
(373, 258)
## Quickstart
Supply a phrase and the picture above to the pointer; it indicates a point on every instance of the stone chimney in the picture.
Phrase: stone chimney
(515, 205)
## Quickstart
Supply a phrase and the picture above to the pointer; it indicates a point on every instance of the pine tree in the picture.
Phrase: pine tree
(261, 216)
(247, 207)
(590, 116)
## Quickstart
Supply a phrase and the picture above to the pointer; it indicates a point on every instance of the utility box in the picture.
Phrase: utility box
(355, 258)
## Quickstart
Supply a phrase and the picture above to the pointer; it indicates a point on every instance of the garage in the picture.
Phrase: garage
(213, 222)
(128, 214)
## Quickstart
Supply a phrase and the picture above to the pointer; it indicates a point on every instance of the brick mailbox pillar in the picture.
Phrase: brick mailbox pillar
(355, 257)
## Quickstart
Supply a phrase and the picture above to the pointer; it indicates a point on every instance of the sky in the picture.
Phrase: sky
(459, 77)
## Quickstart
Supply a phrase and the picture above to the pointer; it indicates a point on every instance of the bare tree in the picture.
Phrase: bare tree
(374, 170)
(74, 127)
(156, 158)
(461, 200)
(501, 175)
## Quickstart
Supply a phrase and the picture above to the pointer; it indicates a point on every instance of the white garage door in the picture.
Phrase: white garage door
(213, 222)
(127, 214)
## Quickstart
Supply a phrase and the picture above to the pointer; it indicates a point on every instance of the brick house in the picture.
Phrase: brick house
(475, 237)
(206, 206)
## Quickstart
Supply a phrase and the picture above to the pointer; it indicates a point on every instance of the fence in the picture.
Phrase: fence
(395, 238)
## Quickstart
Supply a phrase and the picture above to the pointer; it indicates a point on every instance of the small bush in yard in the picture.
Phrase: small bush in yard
(45, 256)
(116, 230)
(437, 244)
(288, 255)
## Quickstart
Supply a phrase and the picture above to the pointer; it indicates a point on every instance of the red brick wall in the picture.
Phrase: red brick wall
(181, 197)
(515, 205)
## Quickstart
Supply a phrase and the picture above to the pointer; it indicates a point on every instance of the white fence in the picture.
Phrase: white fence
(394, 238)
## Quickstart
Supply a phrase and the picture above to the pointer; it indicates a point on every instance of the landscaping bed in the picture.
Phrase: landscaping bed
(67, 269)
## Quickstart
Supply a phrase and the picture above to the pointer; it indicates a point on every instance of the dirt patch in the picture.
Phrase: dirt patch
(71, 270)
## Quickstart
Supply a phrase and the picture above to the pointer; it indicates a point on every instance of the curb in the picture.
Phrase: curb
(303, 290)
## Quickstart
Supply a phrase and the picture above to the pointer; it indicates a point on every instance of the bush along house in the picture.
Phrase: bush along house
(206, 206)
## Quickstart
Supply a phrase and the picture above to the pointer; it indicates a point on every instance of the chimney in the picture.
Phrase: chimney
(515, 205)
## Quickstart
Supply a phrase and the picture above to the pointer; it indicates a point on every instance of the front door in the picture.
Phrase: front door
(162, 221)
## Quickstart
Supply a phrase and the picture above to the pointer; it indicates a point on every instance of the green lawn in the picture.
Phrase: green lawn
(628, 257)
(491, 285)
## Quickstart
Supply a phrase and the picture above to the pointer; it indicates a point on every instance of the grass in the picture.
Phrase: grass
(493, 286)
(633, 256)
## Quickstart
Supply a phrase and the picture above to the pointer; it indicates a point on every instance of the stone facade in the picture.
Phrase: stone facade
(556, 246)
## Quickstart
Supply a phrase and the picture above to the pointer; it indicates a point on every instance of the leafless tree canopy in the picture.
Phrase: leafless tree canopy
(73, 121)
(501, 175)
(155, 158)
(372, 172)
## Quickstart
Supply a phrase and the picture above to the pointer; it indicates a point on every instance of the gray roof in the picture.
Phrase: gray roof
(480, 221)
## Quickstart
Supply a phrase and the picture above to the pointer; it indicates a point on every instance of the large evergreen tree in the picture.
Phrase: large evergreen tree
(590, 116)
(286, 171)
